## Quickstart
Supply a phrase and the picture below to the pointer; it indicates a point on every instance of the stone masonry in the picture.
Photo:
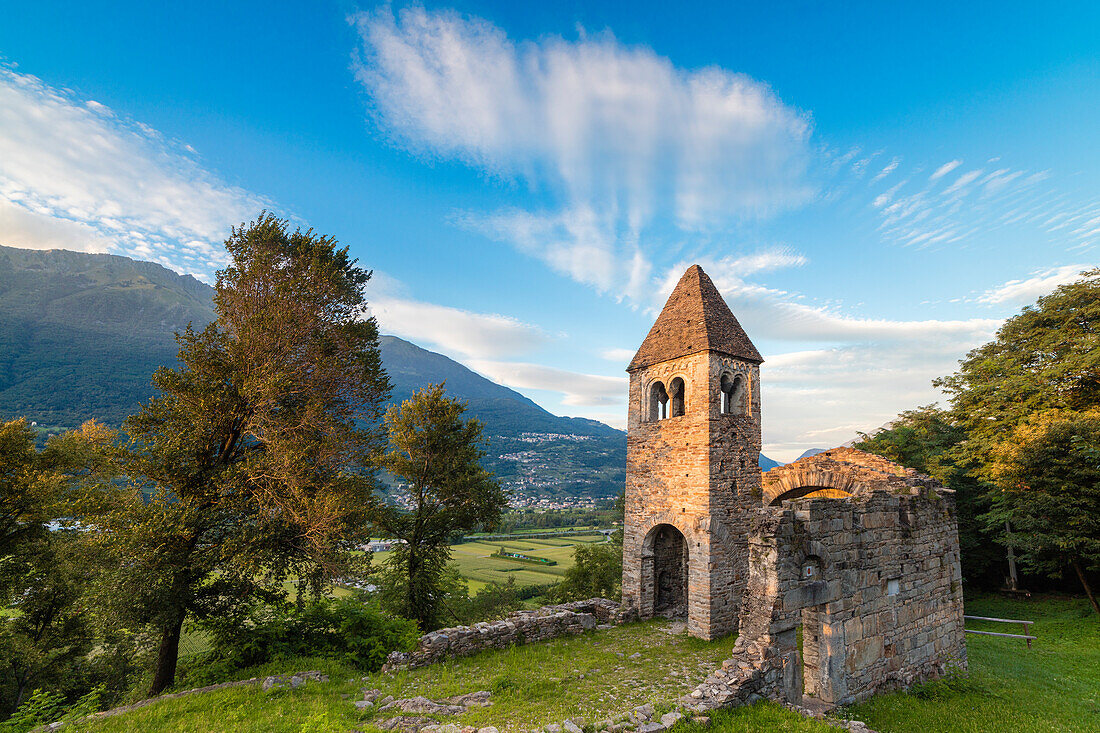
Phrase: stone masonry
(523, 627)
(859, 553)
(875, 585)
(692, 470)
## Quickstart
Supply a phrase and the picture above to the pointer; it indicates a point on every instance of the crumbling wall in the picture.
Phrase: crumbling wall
(881, 604)
(541, 624)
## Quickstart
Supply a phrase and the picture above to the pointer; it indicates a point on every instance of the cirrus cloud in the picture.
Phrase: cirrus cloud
(617, 137)
(75, 174)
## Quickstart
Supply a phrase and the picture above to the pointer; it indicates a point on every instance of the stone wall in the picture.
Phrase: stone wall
(541, 624)
(874, 582)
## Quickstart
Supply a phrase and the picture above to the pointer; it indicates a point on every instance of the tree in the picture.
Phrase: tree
(253, 463)
(438, 456)
(928, 440)
(1047, 357)
(597, 572)
(1048, 472)
(43, 571)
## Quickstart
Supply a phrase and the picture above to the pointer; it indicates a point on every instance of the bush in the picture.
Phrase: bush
(344, 629)
(596, 572)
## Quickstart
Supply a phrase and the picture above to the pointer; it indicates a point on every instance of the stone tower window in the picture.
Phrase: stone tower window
(677, 389)
(733, 395)
(658, 402)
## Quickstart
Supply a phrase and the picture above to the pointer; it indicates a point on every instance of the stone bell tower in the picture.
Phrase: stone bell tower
(692, 472)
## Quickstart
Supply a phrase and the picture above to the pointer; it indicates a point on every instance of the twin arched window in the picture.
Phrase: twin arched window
(672, 402)
(666, 403)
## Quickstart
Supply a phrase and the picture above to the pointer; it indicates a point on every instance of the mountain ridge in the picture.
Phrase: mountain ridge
(81, 334)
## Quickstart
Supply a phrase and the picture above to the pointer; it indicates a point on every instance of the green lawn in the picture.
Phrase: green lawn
(1055, 686)
(590, 675)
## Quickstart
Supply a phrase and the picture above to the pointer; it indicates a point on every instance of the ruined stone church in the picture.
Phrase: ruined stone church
(859, 553)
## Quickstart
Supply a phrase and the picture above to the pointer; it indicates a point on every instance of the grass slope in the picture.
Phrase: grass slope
(1053, 687)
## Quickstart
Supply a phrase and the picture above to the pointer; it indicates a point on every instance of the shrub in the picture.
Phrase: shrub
(343, 629)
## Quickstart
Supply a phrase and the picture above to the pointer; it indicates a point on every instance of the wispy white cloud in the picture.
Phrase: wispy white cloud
(1029, 289)
(944, 169)
(621, 356)
(455, 331)
(578, 389)
(821, 398)
(75, 174)
(890, 168)
(615, 136)
(27, 229)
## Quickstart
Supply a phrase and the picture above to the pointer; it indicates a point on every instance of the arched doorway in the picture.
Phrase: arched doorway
(670, 570)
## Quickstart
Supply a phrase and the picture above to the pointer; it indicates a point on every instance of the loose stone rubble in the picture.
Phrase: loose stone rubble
(541, 624)
(292, 681)
(419, 707)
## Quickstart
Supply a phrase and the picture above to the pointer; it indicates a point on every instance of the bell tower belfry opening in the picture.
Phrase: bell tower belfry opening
(692, 476)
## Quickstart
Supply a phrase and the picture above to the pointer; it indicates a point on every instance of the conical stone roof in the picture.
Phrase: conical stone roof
(695, 319)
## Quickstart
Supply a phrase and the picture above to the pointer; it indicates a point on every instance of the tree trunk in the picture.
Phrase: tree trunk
(1088, 590)
(21, 687)
(168, 654)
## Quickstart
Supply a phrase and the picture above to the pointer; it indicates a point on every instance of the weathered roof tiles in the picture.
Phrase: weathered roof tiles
(694, 319)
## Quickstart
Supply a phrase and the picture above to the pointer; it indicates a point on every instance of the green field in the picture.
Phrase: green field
(476, 563)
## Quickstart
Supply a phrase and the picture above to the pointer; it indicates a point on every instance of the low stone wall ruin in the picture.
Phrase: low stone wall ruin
(875, 584)
(544, 623)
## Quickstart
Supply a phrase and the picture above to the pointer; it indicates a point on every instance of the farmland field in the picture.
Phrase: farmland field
(477, 565)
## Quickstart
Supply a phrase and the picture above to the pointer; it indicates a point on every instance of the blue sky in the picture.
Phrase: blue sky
(874, 188)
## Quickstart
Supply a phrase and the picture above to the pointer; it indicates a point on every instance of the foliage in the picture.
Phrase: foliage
(44, 707)
(1047, 357)
(252, 463)
(928, 440)
(1048, 470)
(597, 572)
(345, 629)
(46, 634)
(437, 454)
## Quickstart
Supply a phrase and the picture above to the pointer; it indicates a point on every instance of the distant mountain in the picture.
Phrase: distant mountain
(811, 452)
(510, 413)
(80, 335)
(767, 464)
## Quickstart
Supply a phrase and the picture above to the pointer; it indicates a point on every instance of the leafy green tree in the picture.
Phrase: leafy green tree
(929, 440)
(597, 572)
(1047, 357)
(253, 462)
(1048, 472)
(437, 454)
(46, 633)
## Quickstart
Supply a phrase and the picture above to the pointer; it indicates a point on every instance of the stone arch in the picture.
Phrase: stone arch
(802, 482)
(678, 395)
(657, 401)
(668, 549)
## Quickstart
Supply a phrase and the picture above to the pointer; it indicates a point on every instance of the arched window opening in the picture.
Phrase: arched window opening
(677, 389)
(658, 402)
(733, 395)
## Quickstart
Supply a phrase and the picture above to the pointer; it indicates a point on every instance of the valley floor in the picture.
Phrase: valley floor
(1055, 686)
